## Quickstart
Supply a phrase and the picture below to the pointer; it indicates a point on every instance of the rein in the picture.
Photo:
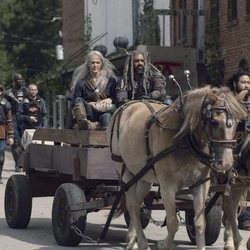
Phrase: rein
(188, 140)
(125, 186)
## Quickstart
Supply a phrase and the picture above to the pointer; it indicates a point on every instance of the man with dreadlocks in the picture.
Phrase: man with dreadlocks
(140, 80)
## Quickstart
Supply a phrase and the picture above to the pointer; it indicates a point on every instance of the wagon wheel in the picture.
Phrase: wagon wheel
(213, 225)
(145, 215)
(66, 195)
(18, 201)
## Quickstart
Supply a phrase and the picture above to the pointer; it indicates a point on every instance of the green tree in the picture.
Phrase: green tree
(149, 25)
(214, 61)
(29, 35)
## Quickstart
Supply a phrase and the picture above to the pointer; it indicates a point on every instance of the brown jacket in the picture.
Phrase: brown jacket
(7, 129)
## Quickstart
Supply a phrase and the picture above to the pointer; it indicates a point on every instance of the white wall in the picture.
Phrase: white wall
(113, 17)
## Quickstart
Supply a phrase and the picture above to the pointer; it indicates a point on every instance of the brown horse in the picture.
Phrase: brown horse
(177, 142)
(235, 200)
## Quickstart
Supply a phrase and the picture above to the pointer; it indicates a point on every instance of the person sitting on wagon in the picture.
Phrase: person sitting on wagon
(140, 80)
(32, 112)
(238, 82)
(94, 92)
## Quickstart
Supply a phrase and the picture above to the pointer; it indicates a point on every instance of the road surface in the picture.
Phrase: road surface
(39, 235)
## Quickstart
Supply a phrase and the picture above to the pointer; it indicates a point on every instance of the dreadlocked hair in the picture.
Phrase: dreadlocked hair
(128, 73)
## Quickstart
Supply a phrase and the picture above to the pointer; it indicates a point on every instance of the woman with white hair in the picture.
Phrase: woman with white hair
(94, 92)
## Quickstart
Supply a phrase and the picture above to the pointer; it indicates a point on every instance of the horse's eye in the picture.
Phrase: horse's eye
(229, 122)
(214, 123)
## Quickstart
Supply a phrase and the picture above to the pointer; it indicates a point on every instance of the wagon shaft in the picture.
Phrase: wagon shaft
(97, 204)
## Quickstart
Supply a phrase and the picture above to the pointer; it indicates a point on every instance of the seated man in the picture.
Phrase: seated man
(94, 93)
(140, 80)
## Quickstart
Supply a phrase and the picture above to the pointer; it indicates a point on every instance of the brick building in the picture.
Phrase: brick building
(233, 29)
(234, 35)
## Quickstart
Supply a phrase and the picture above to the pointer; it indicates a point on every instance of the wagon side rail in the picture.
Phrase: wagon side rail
(84, 138)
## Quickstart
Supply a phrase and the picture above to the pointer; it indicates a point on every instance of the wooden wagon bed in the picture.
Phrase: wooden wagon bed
(64, 155)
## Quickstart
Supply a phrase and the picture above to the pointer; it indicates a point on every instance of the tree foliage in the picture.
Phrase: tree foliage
(149, 25)
(214, 61)
(28, 37)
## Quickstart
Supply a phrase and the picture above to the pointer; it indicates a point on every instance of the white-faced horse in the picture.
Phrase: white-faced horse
(175, 144)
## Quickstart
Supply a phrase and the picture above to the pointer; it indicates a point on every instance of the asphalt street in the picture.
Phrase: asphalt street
(39, 235)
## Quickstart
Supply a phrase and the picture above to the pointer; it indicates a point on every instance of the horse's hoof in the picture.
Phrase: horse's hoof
(135, 247)
(229, 248)
(248, 244)
(132, 246)
(241, 246)
(161, 245)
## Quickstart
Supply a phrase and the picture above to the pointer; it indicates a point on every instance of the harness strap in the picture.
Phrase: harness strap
(150, 164)
(192, 147)
(117, 115)
(116, 158)
(149, 123)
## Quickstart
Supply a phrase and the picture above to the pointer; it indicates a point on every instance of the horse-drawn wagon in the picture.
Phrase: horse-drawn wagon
(75, 167)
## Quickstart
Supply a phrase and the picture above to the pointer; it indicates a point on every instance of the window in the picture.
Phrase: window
(232, 10)
(182, 21)
(248, 9)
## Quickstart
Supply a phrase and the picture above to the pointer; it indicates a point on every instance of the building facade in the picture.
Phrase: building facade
(183, 24)
(234, 34)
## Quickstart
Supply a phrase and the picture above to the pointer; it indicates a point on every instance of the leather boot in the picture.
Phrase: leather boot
(16, 155)
(94, 126)
(81, 117)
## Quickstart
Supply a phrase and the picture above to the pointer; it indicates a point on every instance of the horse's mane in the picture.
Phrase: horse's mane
(194, 105)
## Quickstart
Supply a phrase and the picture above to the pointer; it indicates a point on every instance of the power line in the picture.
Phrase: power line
(28, 39)
(52, 20)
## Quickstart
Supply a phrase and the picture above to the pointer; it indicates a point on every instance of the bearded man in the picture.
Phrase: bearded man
(140, 80)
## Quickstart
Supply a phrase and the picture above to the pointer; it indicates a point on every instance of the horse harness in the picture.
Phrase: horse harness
(188, 141)
(151, 120)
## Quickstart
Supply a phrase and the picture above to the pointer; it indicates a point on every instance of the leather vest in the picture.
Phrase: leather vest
(4, 108)
(33, 108)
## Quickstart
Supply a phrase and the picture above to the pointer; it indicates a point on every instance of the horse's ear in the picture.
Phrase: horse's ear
(212, 98)
(241, 95)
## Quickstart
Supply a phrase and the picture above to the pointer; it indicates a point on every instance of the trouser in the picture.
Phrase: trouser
(2, 157)
(15, 150)
(245, 215)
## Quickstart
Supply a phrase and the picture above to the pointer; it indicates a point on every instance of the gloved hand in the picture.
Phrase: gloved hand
(121, 100)
(156, 94)
(145, 97)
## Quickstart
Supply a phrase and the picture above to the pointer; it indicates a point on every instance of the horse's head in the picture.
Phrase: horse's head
(212, 116)
(221, 114)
